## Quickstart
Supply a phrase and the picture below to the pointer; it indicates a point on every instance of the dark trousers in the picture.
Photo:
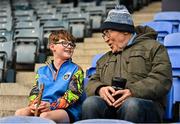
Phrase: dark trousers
(133, 109)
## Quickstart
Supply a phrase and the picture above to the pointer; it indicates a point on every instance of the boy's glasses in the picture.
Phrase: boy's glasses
(66, 43)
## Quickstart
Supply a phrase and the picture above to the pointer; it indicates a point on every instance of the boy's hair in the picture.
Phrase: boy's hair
(55, 36)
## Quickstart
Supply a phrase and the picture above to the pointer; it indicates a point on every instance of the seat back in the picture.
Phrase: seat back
(92, 69)
(26, 45)
(63, 5)
(172, 44)
(171, 16)
(84, 5)
(169, 105)
(79, 24)
(66, 11)
(3, 63)
(25, 15)
(162, 28)
(6, 44)
(109, 4)
(97, 15)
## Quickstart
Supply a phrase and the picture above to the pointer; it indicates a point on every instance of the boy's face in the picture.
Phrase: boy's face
(62, 49)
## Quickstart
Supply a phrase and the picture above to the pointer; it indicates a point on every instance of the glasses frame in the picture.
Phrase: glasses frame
(65, 43)
(106, 33)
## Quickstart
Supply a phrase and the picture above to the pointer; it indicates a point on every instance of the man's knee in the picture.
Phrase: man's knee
(91, 101)
(132, 104)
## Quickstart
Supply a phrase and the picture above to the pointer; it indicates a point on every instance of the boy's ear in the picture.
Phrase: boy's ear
(51, 46)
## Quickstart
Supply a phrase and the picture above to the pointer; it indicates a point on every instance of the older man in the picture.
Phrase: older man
(135, 57)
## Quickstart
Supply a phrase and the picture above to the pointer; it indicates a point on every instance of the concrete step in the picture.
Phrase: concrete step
(78, 52)
(13, 102)
(4, 113)
(82, 59)
(95, 46)
(95, 35)
(94, 40)
(13, 89)
(12, 97)
(25, 78)
(152, 8)
(79, 45)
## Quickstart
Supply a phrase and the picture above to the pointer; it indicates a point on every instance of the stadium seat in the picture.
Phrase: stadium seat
(162, 28)
(63, 5)
(6, 26)
(92, 69)
(171, 16)
(84, 5)
(169, 105)
(79, 24)
(25, 15)
(109, 4)
(26, 45)
(172, 44)
(2, 65)
(97, 14)
(8, 57)
(103, 121)
(44, 18)
(27, 25)
(25, 119)
(66, 11)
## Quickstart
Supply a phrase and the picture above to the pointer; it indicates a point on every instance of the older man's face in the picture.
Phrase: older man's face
(116, 40)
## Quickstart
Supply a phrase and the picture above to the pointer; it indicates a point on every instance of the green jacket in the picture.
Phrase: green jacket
(145, 64)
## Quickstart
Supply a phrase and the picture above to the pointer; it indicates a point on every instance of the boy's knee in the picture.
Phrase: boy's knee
(18, 112)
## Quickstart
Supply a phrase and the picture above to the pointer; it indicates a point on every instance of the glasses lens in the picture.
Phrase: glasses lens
(106, 34)
(66, 44)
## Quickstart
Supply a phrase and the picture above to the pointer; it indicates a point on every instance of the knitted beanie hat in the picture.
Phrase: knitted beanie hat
(119, 19)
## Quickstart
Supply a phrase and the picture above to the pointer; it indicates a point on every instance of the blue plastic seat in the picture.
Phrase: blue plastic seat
(92, 69)
(169, 105)
(162, 28)
(171, 16)
(172, 44)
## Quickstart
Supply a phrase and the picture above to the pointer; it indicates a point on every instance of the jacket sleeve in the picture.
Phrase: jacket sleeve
(94, 83)
(159, 79)
(34, 91)
(74, 92)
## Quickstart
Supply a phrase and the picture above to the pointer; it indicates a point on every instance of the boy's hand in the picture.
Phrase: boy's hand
(44, 107)
(33, 106)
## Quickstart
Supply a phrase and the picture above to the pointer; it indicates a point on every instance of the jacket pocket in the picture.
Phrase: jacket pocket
(138, 63)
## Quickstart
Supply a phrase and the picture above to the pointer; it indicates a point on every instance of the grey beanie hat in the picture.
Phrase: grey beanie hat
(119, 19)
